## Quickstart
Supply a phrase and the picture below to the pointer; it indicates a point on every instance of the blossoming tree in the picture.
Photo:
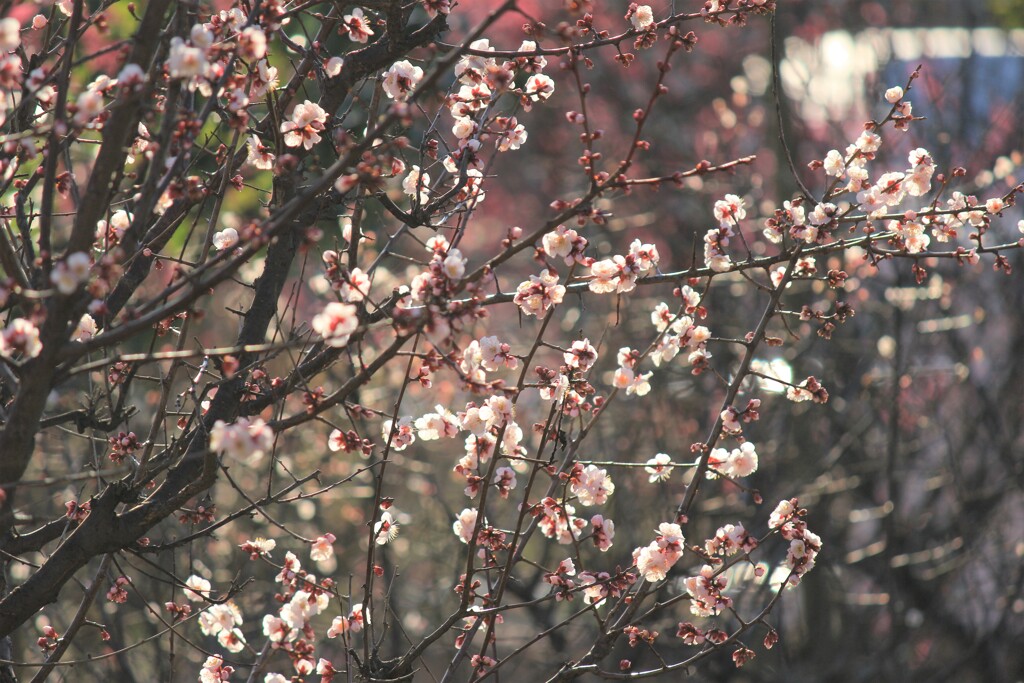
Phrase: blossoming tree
(253, 298)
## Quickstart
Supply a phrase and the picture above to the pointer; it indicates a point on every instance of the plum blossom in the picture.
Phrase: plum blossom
(729, 211)
(252, 43)
(185, 61)
(86, 328)
(894, 94)
(659, 468)
(20, 337)
(222, 620)
(386, 529)
(784, 511)
(264, 79)
(627, 378)
(513, 134)
(10, 34)
(472, 68)
(358, 26)
(642, 18)
(835, 165)
(403, 433)
(110, 233)
(656, 559)
(581, 355)
(442, 423)
(245, 439)
(260, 547)
(564, 243)
(604, 532)
(401, 79)
(417, 184)
(197, 589)
(539, 87)
(868, 142)
(740, 462)
(705, 591)
(333, 66)
(494, 354)
(336, 323)
(464, 525)
(88, 106)
(913, 234)
(259, 155)
(305, 125)
(323, 548)
(592, 486)
(214, 670)
(72, 271)
(303, 606)
(729, 540)
(804, 546)
(225, 239)
(539, 294)
(919, 175)
(716, 241)
(454, 265)
(504, 480)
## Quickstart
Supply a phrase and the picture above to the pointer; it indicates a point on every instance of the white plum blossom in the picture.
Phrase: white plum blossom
(305, 125)
(386, 529)
(868, 142)
(513, 134)
(10, 34)
(705, 591)
(225, 239)
(716, 241)
(913, 234)
(739, 462)
(259, 155)
(581, 355)
(464, 525)
(245, 439)
(323, 548)
(783, 512)
(540, 293)
(471, 68)
(835, 165)
(659, 468)
(403, 434)
(995, 205)
(894, 94)
(442, 423)
(86, 328)
(197, 589)
(333, 66)
(358, 26)
(72, 271)
(185, 61)
(454, 265)
(336, 323)
(464, 127)
(656, 559)
(729, 211)
(401, 79)
(417, 184)
(559, 242)
(643, 18)
(539, 87)
(592, 486)
(20, 337)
